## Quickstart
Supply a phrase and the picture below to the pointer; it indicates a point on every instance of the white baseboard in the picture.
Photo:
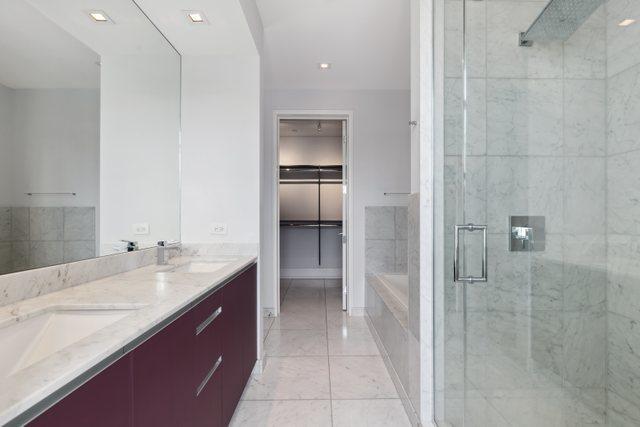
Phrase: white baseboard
(311, 273)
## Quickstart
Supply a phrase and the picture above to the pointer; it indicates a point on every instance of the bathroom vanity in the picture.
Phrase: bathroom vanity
(183, 352)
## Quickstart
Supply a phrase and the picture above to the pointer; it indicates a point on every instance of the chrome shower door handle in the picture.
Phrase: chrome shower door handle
(456, 254)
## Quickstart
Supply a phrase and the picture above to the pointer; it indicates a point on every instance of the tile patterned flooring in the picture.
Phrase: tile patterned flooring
(322, 367)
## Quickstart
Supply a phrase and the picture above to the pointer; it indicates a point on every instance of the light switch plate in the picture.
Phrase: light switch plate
(219, 228)
(141, 228)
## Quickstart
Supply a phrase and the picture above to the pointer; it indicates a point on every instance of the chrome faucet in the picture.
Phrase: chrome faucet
(162, 247)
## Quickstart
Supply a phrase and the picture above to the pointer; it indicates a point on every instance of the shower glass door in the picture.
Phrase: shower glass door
(533, 148)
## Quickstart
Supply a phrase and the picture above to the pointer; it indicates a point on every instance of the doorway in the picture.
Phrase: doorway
(313, 198)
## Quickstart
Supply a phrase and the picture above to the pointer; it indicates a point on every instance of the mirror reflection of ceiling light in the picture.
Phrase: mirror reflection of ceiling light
(196, 17)
(626, 22)
(99, 16)
(324, 65)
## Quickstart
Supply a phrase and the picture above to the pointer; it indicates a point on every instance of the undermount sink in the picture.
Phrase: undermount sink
(32, 340)
(200, 267)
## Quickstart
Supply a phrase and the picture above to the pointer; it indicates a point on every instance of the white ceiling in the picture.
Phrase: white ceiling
(226, 33)
(54, 43)
(305, 128)
(367, 43)
(35, 53)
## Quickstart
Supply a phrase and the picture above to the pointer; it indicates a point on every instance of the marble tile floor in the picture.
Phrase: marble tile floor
(322, 367)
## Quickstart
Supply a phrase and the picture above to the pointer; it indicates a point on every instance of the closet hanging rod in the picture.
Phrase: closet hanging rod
(51, 194)
(310, 181)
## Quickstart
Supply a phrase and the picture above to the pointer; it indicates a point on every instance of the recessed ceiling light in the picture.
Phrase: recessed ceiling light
(626, 22)
(324, 65)
(196, 17)
(99, 16)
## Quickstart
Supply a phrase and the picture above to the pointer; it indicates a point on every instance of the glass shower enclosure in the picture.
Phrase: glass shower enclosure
(537, 282)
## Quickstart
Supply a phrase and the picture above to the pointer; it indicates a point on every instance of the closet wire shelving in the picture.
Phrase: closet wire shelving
(310, 174)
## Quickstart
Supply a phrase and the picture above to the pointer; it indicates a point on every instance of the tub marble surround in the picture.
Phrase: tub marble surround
(154, 294)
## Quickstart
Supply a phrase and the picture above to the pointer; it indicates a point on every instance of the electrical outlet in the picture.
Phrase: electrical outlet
(219, 228)
(141, 228)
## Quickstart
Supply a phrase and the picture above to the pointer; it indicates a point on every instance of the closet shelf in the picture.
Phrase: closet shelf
(311, 224)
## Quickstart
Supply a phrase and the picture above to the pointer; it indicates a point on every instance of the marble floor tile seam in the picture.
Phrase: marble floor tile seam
(326, 330)
(321, 399)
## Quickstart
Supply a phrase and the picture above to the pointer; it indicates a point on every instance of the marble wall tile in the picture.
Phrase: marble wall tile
(621, 412)
(474, 203)
(380, 222)
(585, 272)
(584, 195)
(505, 58)
(6, 266)
(476, 117)
(78, 250)
(624, 358)
(546, 275)
(623, 203)
(524, 117)
(79, 223)
(46, 223)
(5, 224)
(476, 27)
(623, 110)
(623, 276)
(524, 186)
(585, 52)
(402, 246)
(20, 256)
(19, 224)
(413, 267)
(401, 216)
(623, 49)
(45, 253)
(547, 339)
(584, 117)
(584, 348)
(380, 256)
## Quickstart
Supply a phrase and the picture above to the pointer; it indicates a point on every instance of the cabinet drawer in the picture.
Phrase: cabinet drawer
(208, 404)
(204, 313)
(208, 338)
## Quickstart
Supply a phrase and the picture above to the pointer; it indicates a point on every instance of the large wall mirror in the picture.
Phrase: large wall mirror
(89, 131)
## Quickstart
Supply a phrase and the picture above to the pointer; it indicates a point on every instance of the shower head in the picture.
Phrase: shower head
(559, 20)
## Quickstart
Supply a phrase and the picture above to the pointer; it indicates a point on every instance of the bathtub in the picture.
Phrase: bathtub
(398, 287)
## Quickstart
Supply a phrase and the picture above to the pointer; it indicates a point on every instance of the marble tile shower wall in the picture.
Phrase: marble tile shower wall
(623, 211)
(386, 241)
(33, 237)
(536, 146)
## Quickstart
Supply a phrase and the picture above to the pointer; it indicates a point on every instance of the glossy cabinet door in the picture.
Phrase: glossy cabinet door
(163, 391)
(103, 401)
(232, 372)
(250, 327)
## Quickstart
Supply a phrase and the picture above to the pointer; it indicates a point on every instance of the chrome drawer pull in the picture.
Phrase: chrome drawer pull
(204, 382)
(202, 326)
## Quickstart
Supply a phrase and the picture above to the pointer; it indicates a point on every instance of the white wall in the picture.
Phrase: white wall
(49, 144)
(221, 148)
(5, 140)
(381, 152)
(139, 152)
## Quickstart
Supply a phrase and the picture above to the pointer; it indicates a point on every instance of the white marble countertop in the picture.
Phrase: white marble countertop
(156, 296)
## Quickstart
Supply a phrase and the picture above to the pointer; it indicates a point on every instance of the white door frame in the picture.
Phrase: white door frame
(311, 115)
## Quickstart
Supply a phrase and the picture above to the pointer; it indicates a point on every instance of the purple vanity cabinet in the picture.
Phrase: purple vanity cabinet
(103, 401)
(190, 373)
(162, 376)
